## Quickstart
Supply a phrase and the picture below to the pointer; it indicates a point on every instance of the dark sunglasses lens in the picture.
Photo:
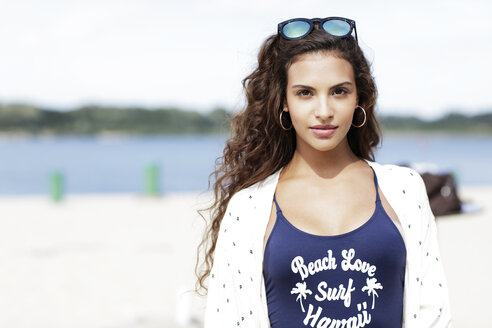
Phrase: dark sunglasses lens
(295, 29)
(337, 27)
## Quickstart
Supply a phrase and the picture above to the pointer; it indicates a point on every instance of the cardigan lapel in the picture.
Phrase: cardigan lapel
(390, 184)
(260, 208)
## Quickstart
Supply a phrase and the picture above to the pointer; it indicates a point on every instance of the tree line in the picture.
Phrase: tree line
(21, 118)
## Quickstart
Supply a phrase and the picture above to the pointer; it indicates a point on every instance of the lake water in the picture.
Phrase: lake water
(117, 164)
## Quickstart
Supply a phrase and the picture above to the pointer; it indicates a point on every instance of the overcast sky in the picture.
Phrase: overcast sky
(428, 57)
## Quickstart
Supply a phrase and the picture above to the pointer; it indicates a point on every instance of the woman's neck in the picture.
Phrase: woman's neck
(308, 162)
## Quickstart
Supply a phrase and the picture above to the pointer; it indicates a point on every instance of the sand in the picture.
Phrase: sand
(466, 242)
(124, 260)
(97, 261)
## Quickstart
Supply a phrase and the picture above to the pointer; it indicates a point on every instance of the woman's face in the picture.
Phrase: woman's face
(321, 97)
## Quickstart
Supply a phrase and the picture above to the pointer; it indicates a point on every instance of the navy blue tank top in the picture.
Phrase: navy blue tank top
(355, 279)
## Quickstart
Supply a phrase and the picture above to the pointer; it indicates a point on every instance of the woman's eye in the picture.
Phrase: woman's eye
(340, 91)
(303, 92)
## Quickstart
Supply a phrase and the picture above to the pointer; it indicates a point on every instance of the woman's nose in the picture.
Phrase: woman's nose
(324, 109)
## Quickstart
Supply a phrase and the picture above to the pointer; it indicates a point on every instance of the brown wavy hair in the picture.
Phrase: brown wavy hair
(259, 146)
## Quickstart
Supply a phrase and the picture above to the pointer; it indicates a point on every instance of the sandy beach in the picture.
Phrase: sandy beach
(125, 260)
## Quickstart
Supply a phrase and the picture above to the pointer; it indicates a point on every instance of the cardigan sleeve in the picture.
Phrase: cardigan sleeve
(435, 308)
(218, 310)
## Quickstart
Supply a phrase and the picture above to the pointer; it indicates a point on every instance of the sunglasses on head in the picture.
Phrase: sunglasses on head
(297, 28)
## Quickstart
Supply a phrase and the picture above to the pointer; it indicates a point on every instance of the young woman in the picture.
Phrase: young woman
(307, 229)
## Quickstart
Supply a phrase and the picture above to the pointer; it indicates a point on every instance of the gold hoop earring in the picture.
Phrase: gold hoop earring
(282, 125)
(365, 116)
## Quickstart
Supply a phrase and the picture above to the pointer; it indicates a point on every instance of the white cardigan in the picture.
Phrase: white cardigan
(236, 290)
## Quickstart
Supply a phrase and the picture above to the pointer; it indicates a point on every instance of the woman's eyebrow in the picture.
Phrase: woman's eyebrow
(311, 88)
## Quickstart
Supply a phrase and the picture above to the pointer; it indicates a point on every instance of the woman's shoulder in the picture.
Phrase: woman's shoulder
(397, 175)
(244, 196)
(248, 193)
(391, 168)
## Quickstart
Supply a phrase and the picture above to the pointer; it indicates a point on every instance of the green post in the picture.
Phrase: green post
(151, 183)
(56, 186)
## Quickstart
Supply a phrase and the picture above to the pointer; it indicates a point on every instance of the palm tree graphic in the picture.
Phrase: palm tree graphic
(371, 287)
(302, 291)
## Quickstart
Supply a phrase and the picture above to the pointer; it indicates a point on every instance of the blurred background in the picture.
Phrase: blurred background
(112, 114)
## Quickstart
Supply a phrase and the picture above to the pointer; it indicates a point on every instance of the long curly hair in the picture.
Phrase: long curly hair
(258, 145)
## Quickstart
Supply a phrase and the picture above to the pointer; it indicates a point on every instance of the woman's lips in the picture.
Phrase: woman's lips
(323, 132)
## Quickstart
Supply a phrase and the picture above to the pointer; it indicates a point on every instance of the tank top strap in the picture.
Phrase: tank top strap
(276, 204)
(376, 185)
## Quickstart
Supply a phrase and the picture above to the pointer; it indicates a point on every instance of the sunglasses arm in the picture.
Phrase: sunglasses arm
(356, 39)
